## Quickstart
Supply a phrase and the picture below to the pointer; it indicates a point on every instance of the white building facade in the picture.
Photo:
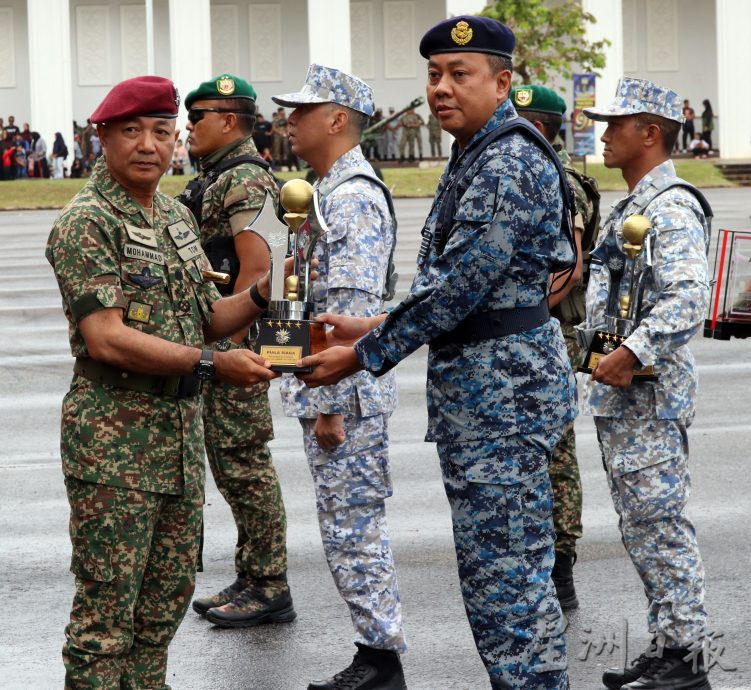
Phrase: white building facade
(58, 58)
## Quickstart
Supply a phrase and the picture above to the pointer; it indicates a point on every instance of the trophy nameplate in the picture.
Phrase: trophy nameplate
(621, 311)
(730, 303)
(287, 333)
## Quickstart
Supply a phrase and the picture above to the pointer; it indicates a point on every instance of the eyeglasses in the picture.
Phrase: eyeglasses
(196, 114)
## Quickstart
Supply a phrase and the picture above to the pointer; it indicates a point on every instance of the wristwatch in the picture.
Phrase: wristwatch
(205, 369)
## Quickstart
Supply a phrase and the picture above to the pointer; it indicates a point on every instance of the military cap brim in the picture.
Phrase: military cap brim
(635, 96)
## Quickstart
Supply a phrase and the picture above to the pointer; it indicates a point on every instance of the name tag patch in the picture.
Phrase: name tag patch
(138, 311)
(192, 251)
(133, 251)
(181, 233)
(141, 235)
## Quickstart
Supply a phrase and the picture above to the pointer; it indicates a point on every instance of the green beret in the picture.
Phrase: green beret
(223, 86)
(539, 99)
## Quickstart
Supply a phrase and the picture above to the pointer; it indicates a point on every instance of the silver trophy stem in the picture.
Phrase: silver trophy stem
(292, 311)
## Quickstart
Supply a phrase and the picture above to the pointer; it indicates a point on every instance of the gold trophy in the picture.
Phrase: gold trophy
(621, 312)
(288, 334)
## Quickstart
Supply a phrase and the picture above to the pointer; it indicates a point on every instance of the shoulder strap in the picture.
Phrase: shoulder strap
(229, 163)
(447, 209)
(592, 190)
(650, 195)
(389, 286)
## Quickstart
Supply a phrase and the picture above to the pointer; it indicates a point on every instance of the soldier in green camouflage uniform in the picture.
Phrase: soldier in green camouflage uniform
(545, 109)
(434, 136)
(128, 264)
(226, 197)
(411, 135)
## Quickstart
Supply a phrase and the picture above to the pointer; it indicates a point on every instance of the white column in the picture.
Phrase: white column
(190, 45)
(50, 81)
(329, 34)
(609, 15)
(149, 36)
(733, 68)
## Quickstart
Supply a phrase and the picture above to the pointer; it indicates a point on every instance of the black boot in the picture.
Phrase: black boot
(371, 669)
(202, 605)
(671, 672)
(266, 600)
(615, 679)
(563, 579)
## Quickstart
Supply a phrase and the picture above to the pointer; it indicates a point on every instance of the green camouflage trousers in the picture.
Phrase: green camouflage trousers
(564, 471)
(238, 426)
(134, 558)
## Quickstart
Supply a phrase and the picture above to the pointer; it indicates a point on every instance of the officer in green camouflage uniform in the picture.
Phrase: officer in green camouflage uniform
(225, 197)
(545, 108)
(435, 134)
(129, 267)
(411, 135)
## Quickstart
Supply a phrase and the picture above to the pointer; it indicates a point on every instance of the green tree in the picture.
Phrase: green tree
(550, 40)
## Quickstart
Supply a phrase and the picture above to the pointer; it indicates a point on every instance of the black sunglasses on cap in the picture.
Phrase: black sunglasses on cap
(196, 114)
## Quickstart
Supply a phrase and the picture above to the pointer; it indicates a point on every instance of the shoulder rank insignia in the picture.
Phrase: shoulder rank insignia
(462, 33)
(144, 279)
(225, 85)
(137, 311)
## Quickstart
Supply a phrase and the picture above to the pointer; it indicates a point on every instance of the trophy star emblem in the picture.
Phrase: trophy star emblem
(462, 33)
(225, 86)
(282, 336)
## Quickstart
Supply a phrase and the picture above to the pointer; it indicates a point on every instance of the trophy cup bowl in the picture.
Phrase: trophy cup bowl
(287, 333)
(620, 324)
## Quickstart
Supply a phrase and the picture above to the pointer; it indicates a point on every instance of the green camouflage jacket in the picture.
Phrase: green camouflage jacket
(106, 252)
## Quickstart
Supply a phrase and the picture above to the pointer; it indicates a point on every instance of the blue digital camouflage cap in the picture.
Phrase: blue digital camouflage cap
(633, 96)
(329, 85)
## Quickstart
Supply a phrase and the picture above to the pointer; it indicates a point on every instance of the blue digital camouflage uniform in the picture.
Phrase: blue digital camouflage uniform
(133, 461)
(497, 407)
(642, 428)
(353, 481)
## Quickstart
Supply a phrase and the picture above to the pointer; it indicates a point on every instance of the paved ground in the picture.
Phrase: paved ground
(34, 548)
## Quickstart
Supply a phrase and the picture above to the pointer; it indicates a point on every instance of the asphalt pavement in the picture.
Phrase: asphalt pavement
(37, 587)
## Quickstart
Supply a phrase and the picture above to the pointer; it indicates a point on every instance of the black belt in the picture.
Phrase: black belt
(498, 323)
(175, 386)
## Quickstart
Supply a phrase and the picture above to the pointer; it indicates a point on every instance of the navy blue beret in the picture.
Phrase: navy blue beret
(468, 34)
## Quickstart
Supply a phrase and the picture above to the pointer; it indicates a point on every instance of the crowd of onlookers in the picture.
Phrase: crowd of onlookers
(694, 140)
(25, 153)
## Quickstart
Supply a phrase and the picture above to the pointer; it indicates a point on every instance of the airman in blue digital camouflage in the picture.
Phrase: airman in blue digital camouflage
(641, 425)
(500, 387)
(345, 426)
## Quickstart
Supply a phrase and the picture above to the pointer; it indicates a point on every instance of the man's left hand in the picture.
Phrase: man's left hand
(617, 368)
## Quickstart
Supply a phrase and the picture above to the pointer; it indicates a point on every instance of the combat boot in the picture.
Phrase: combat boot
(202, 605)
(615, 679)
(563, 579)
(371, 669)
(671, 672)
(266, 600)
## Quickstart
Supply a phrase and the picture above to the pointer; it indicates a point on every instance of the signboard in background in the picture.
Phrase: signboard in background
(582, 128)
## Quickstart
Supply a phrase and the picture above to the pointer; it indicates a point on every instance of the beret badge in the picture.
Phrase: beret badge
(177, 97)
(462, 33)
(523, 97)
(225, 86)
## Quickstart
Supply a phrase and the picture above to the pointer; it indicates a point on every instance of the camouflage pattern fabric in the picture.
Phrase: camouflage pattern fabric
(352, 483)
(634, 96)
(642, 428)
(353, 480)
(411, 134)
(504, 537)
(675, 300)
(564, 468)
(133, 462)
(237, 420)
(647, 468)
(508, 398)
(134, 558)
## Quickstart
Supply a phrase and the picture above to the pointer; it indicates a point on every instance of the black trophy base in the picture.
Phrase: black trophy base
(285, 341)
(725, 328)
(603, 343)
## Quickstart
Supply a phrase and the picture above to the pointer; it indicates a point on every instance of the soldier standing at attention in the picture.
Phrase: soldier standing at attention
(230, 191)
(641, 426)
(434, 137)
(411, 135)
(345, 427)
(545, 109)
(127, 260)
(500, 387)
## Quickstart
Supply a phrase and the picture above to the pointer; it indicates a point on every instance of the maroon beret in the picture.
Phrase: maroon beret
(146, 96)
